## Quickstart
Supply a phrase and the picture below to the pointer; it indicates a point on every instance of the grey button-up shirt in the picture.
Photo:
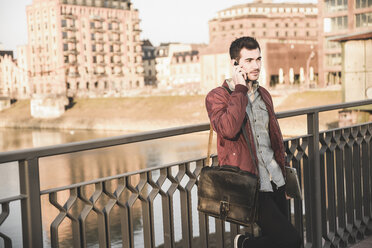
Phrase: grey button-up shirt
(259, 120)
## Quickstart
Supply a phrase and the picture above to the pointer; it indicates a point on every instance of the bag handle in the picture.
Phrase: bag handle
(210, 139)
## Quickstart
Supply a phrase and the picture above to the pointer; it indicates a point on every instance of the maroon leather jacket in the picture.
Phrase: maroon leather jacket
(226, 113)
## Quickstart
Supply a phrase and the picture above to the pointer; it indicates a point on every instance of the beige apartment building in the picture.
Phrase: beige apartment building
(84, 47)
(185, 69)
(14, 81)
(163, 58)
(339, 18)
(287, 33)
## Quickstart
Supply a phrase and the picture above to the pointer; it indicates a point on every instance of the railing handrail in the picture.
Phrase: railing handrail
(38, 152)
(323, 108)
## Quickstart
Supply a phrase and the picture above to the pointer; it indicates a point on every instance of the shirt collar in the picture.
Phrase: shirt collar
(231, 85)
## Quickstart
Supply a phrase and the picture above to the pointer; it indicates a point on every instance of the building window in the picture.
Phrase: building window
(363, 4)
(253, 25)
(232, 26)
(332, 44)
(335, 24)
(241, 25)
(331, 6)
(307, 33)
(363, 20)
(92, 37)
(295, 33)
(276, 25)
(93, 48)
(64, 35)
(65, 47)
(110, 26)
(94, 59)
(277, 34)
(263, 33)
(264, 25)
(91, 24)
(333, 59)
(286, 25)
(63, 23)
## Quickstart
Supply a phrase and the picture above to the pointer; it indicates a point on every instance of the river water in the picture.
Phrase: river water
(72, 168)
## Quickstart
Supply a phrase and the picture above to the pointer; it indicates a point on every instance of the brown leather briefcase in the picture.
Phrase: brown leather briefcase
(228, 193)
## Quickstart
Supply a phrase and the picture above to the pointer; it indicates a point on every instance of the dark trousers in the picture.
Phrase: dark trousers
(277, 231)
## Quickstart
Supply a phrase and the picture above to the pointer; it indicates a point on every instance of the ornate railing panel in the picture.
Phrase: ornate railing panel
(159, 204)
(346, 184)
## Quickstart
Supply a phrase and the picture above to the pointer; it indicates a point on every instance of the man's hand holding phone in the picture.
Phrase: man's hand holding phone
(239, 74)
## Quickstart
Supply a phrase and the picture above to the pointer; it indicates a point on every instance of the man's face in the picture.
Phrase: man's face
(250, 60)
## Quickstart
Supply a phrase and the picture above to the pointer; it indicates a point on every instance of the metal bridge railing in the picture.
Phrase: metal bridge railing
(334, 167)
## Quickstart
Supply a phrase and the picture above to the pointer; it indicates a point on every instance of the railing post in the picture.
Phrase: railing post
(315, 180)
(32, 229)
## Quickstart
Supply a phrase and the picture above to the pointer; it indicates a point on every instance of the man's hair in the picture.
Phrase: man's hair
(237, 45)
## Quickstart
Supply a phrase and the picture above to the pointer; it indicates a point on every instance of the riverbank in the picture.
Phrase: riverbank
(119, 114)
(136, 114)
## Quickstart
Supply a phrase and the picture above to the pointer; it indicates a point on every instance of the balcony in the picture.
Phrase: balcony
(98, 41)
(97, 30)
(70, 51)
(68, 16)
(70, 39)
(70, 28)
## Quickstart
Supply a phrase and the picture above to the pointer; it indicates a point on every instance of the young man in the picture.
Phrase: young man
(226, 113)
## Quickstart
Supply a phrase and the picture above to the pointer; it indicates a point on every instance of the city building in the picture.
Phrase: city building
(338, 18)
(148, 58)
(23, 73)
(14, 81)
(185, 70)
(356, 50)
(356, 63)
(163, 57)
(287, 33)
(84, 48)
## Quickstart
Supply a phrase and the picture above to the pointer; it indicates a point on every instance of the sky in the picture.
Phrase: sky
(161, 20)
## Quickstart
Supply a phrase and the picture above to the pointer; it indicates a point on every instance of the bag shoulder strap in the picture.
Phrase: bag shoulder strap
(210, 139)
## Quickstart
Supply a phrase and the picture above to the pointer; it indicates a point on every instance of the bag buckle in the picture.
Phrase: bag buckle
(224, 209)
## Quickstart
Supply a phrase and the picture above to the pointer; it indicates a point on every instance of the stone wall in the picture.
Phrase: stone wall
(48, 107)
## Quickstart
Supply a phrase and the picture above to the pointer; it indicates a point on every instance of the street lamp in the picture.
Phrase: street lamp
(312, 54)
